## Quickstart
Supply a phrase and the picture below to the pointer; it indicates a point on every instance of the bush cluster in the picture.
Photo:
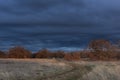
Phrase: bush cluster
(74, 56)
(19, 52)
(96, 50)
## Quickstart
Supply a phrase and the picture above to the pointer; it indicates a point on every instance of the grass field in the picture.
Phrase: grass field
(52, 69)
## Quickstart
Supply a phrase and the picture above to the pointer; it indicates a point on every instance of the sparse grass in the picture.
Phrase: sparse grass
(52, 69)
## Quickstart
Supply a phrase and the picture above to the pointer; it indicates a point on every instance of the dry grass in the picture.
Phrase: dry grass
(52, 69)
(19, 69)
(104, 71)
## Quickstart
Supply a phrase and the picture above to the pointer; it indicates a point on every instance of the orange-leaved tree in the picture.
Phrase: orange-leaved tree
(2, 54)
(19, 52)
(100, 49)
(43, 53)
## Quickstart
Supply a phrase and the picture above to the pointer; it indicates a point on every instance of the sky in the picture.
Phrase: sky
(64, 24)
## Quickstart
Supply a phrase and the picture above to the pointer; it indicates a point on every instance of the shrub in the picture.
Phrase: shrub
(72, 56)
(44, 53)
(84, 54)
(58, 54)
(101, 50)
(99, 45)
(68, 57)
(2, 54)
(19, 52)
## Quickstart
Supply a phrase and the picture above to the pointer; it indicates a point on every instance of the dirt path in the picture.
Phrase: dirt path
(75, 73)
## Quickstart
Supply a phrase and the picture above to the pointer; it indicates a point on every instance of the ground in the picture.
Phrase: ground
(53, 69)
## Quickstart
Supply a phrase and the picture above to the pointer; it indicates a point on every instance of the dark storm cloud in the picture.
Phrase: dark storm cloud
(40, 11)
(62, 24)
(83, 15)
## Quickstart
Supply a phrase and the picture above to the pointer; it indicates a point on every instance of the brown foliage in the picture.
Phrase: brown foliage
(99, 56)
(19, 52)
(99, 45)
(97, 50)
(44, 53)
(101, 50)
(58, 54)
(118, 56)
(84, 54)
(72, 56)
(2, 54)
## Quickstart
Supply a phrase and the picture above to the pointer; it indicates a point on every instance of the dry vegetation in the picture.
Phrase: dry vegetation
(52, 69)
(96, 50)
(19, 63)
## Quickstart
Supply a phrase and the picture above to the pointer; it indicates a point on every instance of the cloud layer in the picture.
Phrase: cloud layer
(31, 19)
(102, 15)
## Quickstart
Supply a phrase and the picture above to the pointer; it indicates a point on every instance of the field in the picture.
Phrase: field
(52, 69)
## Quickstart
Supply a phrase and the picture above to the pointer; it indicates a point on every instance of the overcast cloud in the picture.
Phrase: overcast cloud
(94, 14)
(30, 17)
(82, 13)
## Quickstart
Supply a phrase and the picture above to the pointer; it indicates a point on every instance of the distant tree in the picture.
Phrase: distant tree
(33, 55)
(44, 53)
(73, 56)
(100, 49)
(68, 56)
(84, 54)
(76, 56)
(2, 54)
(99, 45)
(117, 49)
(118, 44)
(58, 54)
(19, 52)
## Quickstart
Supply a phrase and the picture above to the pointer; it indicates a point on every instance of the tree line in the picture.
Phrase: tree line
(96, 50)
